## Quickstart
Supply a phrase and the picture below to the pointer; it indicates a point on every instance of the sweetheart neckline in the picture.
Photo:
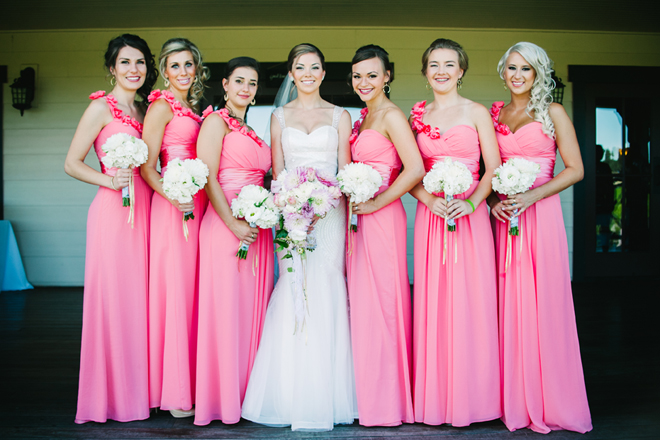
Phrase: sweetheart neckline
(311, 132)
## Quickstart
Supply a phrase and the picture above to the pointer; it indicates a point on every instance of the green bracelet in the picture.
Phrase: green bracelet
(471, 204)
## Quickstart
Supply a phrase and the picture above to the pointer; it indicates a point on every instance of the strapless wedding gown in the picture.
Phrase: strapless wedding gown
(306, 379)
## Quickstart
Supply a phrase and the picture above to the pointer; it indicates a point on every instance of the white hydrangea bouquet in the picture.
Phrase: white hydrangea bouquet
(182, 180)
(302, 194)
(255, 204)
(451, 177)
(515, 176)
(125, 151)
(359, 182)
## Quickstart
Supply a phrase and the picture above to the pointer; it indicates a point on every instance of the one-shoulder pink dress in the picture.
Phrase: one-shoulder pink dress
(233, 294)
(113, 359)
(379, 296)
(542, 380)
(173, 273)
(455, 346)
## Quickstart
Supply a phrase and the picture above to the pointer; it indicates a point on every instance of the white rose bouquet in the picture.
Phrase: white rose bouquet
(359, 182)
(515, 176)
(125, 151)
(255, 204)
(451, 177)
(182, 180)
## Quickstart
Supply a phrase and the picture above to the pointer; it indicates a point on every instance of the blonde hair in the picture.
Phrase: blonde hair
(541, 93)
(202, 74)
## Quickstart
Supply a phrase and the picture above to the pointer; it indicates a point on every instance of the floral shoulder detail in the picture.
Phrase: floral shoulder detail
(177, 108)
(495, 114)
(207, 111)
(356, 126)
(234, 125)
(418, 125)
(117, 113)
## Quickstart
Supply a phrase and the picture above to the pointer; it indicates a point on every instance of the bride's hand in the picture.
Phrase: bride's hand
(311, 227)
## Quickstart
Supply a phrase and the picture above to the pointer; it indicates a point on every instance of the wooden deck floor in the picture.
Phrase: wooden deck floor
(40, 349)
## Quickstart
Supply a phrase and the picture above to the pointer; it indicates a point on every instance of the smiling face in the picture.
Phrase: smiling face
(241, 87)
(130, 69)
(518, 74)
(307, 72)
(369, 78)
(443, 70)
(180, 71)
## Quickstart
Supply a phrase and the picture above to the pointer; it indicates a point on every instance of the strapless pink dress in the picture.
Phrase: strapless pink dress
(455, 348)
(113, 359)
(542, 380)
(233, 294)
(173, 273)
(379, 296)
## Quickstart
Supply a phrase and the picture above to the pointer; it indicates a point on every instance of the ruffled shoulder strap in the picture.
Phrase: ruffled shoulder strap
(356, 126)
(495, 110)
(336, 116)
(116, 112)
(279, 114)
(176, 106)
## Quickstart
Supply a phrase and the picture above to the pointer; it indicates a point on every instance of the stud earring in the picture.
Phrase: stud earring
(166, 83)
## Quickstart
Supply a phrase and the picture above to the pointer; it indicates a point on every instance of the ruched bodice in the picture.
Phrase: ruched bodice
(121, 123)
(528, 142)
(180, 137)
(374, 149)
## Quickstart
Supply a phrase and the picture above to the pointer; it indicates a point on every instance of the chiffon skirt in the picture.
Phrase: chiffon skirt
(114, 378)
(542, 379)
(380, 312)
(233, 298)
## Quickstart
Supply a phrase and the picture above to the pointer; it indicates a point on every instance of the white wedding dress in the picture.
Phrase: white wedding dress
(306, 379)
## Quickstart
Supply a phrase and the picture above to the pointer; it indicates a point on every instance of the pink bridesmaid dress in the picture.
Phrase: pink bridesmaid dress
(542, 380)
(379, 296)
(233, 294)
(113, 359)
(455, 348)
(173, 273)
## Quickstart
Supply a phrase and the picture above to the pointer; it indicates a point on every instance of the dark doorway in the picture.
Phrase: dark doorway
(3, 80)
(617, 205)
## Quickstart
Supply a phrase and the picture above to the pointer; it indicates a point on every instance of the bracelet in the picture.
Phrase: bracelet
(112, 183)
(471, 204)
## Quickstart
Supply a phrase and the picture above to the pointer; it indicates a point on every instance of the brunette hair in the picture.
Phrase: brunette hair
(444, 43)
(373, 51)
(202, 73)
(302, 49)
(234, 64)
(116, 44)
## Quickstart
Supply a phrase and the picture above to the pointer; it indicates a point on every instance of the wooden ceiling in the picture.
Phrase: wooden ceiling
(595, 15)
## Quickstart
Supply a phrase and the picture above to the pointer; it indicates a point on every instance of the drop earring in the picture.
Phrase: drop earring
(428, 86)
(459, 83)
(254, 102)
(113, 81)
(226, 98)
(387, 86)
(505, 87)
(166, 83)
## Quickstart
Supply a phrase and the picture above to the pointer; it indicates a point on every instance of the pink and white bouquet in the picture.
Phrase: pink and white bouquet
(302, 194)
(125, 151)
(359, 182)
(255, 204)
(515, 176)
(182, 180)
(451, 177)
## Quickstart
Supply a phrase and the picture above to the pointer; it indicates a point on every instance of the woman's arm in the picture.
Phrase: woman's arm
(92, 122)
(276, 146)
(209, 150)
(403, 139)
(344, 148)
(569, 149)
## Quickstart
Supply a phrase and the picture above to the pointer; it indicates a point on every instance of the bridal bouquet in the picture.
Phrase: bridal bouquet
(255, 204)
(125, 151)
(302, 194)
(516, 176)
(450, 177)
(181, 181)
(359, 182)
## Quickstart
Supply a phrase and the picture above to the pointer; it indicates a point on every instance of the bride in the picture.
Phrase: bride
(305, 379)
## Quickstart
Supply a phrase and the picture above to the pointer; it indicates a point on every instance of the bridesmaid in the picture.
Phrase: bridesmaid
(233, 294)
(455, 348)
(170, 130)
(378, 286)
(542, 380)
(113, 360)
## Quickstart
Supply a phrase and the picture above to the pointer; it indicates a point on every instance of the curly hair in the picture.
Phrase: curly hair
(202, 73)
(541, 93)
(111, 53)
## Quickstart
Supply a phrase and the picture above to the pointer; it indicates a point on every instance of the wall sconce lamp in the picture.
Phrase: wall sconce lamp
(22, 90)
(558, 91)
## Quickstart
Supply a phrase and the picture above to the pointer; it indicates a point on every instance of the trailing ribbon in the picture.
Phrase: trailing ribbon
(185, 227)
(130, 200)
(299, 291)
(349, 228)
(518, 226)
